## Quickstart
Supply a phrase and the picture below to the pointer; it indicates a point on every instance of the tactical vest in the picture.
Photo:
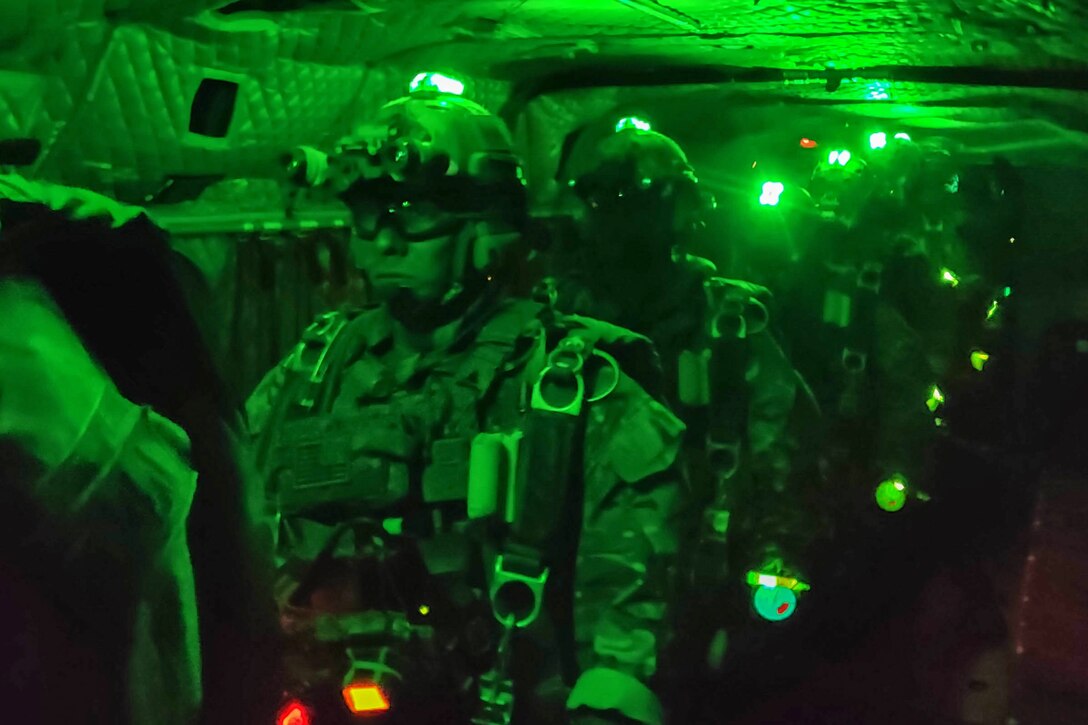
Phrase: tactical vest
(395, 445)
(410, 446)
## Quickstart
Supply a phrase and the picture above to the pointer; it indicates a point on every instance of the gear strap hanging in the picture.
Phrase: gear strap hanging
(543, 483)
(542, 505)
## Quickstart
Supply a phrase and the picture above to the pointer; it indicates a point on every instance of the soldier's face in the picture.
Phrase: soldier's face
(392, 264)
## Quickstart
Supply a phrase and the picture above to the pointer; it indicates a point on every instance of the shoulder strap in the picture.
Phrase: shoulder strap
(497, 342)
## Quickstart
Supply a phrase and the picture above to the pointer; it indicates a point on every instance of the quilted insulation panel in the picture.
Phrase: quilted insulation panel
(107, 86)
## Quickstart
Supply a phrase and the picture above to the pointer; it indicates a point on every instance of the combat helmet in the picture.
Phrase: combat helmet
(430, 163)
(627, 167)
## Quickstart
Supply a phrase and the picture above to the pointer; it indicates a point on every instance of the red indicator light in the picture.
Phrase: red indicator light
(807, 143)
(293, 713)
(783, 607)
(365, 698)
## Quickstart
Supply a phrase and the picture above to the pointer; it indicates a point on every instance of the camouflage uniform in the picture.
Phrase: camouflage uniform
(723, 370)
(360, 420)
(424, 410)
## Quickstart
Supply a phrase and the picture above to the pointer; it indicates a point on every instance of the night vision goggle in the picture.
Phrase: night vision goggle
(419, 193)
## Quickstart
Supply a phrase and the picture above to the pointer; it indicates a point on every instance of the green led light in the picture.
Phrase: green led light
(935, 400)
(424, 609)
(902, 136)
(1007, 291)
(992, 310)
(891, 493)
(632, 122)
(949, 277)
(878, 140)
(761, 579)
(840, 157)
(771, 192)
(436, 82)
(979, 358)
(878, 92)
(774, 603)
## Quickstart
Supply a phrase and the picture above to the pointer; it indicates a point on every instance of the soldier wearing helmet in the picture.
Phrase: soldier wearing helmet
(446, 385)
(640, 207)
(872, 308)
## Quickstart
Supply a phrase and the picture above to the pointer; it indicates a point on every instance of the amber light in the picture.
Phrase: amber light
(364, 698)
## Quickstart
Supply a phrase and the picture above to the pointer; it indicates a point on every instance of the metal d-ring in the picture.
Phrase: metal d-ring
(615, 376)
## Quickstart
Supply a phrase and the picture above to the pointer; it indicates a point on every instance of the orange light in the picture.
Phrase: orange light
(293, 713)
(807, 143)
(364, 698)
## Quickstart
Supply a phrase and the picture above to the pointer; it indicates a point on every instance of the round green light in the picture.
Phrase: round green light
(891, 495)
(774, 603)
(878, 140)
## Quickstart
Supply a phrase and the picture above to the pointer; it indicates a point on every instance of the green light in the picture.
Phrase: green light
(878, 140)
(902, 136)
(772, 191)
(935, 400)
(891, 494)
(436, 82)
(1007, 291)
(991, 311)
(979, 358)
(949, 277)
(760, 579)
(774, 603)
(424, 609)
(632, 122)
(840, 157)
(878, 92)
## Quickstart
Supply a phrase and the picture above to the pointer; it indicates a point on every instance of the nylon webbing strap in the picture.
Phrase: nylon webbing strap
(544, 478)
(859, 338)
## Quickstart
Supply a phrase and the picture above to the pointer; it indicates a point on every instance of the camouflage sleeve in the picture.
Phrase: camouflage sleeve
(628, 543)
(906, 378)
(262, 400)
(773, 386)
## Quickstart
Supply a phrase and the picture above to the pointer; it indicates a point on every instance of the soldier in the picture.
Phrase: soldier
(412, 401)
(730, 382)
(97, 581)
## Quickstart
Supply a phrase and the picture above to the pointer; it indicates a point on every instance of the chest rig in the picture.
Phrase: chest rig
(507, 458)
(713, 392)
